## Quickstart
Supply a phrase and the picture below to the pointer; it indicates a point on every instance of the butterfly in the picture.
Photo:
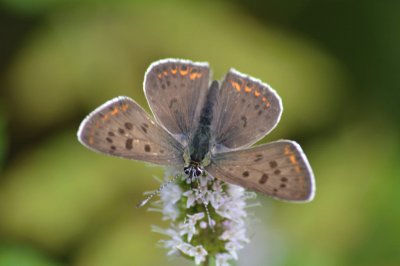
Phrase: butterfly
(204, 127)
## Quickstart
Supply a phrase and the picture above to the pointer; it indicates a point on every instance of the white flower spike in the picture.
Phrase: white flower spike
(190, 233)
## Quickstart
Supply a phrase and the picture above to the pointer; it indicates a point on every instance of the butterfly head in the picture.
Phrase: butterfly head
(193, 170)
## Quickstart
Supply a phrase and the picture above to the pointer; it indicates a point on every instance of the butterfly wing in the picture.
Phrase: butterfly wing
(245, 110)
(175, 90)
(120, 127)
(279, 169)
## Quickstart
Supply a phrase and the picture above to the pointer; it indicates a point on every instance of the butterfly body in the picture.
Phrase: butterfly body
(201, 142)
(204, 128)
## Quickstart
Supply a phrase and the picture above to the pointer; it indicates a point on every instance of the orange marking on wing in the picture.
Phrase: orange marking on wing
(91, 134)
(174, 71)
(247, 89)
(257, 93)
(292, 158)
(235, 85)
(124, 107)
(184, 72)
(194, 76)
(267, 103)
(105, 117)
(159, 76)
(287, 150)
(115, 111)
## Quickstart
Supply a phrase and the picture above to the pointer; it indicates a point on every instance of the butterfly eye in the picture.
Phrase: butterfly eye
(186, 170)
(198, 172)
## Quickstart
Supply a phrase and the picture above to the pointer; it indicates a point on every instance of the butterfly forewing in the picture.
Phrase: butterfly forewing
(245, 110)
(120, 127)
(279, 169)
(175, 90)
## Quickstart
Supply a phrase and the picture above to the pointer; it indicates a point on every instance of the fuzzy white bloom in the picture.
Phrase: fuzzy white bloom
(198, 252)
(189, 226)
(173, 243)
(208, 219)
(221, 259)
(192, 197)
(170, 196)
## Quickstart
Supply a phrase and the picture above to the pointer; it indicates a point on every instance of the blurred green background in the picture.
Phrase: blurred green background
(334, 63)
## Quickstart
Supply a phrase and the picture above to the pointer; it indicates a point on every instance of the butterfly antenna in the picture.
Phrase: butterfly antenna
(156, 192)
(208, 216)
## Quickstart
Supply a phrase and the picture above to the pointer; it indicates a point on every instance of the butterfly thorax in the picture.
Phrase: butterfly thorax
(200, 144)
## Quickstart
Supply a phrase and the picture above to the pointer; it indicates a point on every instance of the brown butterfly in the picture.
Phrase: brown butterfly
(204, 127)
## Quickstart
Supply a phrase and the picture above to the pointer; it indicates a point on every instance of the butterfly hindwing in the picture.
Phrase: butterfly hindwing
(279, 169)
(120, 127)
(245, 111)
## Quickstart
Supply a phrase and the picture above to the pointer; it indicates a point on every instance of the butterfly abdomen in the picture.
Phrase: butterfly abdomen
(200, 144)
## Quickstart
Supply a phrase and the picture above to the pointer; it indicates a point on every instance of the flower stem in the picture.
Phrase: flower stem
(206, 261)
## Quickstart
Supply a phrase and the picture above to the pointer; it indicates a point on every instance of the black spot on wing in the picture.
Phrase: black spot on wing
(263, 179)
(128, 144)
(128, 125)
(273, 164)
(147, 148)
(244, 119)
